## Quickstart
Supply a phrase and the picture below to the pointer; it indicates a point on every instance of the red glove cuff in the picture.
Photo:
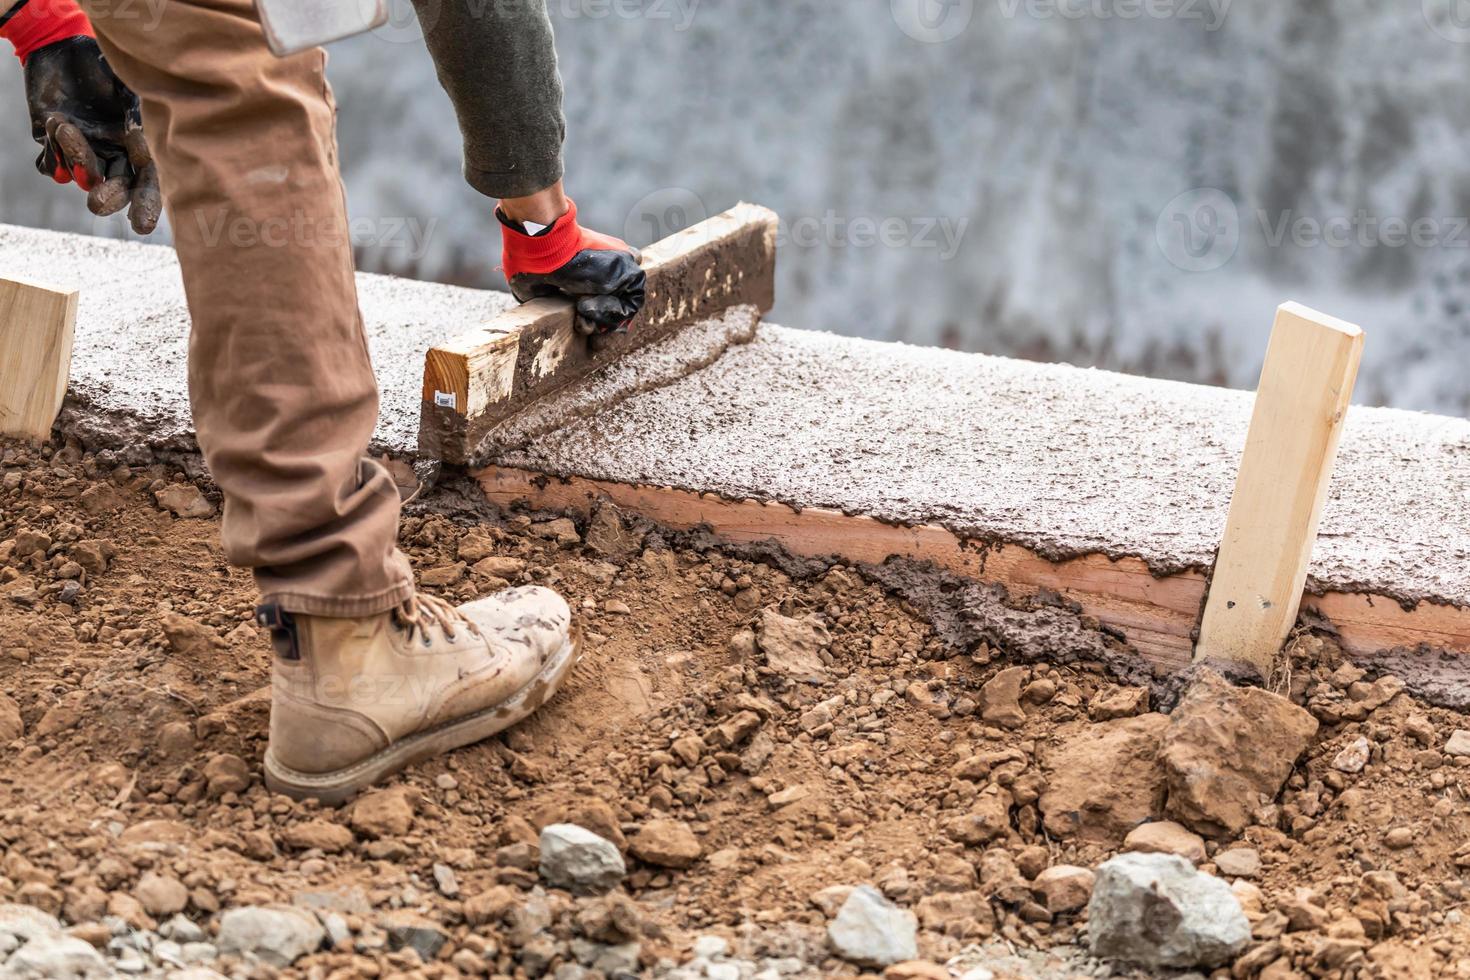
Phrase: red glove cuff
(43, 22)
(545, 253)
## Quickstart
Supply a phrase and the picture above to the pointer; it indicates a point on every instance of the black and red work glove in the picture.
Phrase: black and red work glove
(86, 120)
(599, 272)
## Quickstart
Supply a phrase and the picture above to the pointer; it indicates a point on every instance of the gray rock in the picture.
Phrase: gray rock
(277, 935)
(53, 956)
(1156, 910)
(871, 931)
(406, 928)
(199, 952)
(338, 931)
(181, 930)
(22, 923)
(618, 960)
(579, 860)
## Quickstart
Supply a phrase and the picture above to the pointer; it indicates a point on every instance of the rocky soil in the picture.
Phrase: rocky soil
(761, 768)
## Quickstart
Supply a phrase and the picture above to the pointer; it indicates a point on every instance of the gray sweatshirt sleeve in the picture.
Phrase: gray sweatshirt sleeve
(497, 62)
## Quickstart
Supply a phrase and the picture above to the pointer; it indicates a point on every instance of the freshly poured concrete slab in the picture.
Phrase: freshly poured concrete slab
(129, 381)
(1063, 461)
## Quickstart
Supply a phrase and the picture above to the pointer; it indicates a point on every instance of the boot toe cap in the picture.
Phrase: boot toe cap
(531, 613)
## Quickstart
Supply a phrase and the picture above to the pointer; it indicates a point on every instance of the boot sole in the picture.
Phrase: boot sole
(339, 786)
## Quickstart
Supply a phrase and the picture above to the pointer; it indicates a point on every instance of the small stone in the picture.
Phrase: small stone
(62, 716)
(176, 739)
(1166, 837)
(579, 860)
(184, 500)
(1064, 888)
(1354, 756)
(498, 566)
(617, 607)
(277, 935)
(408, 929)
(607, 536)
(1458, 744)
(321, 835)
(1399, 839)
(871, 931)
(665, 843)
(1158, 911)
(444, 575)
(161, 894)
(1122, 703)
(12, 726)
(792, 646)
(916, 970)
(1001, 697)
(711, 947)
(181, 930)
(226, 773)
(1239, 862)
(562, 531)
(446, 881)
(383, 813)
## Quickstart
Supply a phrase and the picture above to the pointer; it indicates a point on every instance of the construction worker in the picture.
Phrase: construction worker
(368, 676)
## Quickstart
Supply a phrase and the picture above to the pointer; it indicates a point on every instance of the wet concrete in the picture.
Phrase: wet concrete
(1062, 460)
(128, 378)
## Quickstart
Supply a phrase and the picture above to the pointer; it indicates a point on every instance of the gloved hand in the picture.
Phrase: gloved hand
(599, 272)
(86, 120)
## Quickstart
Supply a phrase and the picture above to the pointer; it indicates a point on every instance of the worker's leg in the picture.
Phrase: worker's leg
(284, 397)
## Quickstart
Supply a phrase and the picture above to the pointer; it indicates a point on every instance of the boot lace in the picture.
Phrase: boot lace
(421, 612)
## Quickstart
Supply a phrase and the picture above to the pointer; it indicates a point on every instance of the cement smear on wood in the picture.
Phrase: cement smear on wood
(1062, 460)
(129, 381)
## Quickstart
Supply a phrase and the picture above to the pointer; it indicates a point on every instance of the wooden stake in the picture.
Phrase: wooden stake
(1301, 403)
(37, 324)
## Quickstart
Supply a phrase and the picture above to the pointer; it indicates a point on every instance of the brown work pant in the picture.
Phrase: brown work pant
(283, 394)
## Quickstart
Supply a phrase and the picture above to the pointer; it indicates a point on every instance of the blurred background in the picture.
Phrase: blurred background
(1130, 184)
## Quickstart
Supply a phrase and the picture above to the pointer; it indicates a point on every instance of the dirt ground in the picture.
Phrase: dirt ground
(134, 715)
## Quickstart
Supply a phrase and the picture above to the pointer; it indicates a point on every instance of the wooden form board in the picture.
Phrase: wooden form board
(37, 325)
(1157, 614)
(1290, 450)
(482, 378)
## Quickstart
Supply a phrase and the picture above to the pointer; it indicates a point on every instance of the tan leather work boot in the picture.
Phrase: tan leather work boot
(354, 700)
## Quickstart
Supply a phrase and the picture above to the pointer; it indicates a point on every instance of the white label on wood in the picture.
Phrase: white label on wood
(1301, 403)
(445, 399)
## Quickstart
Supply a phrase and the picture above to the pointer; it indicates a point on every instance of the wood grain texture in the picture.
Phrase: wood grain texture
(1301, 403)
(1156, 614)
(481, 378)
(37, 325)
